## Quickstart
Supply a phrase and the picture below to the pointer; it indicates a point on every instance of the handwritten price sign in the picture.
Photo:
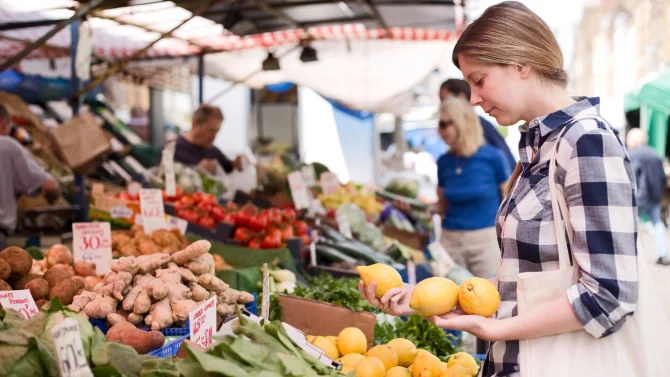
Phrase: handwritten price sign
(153, 212)
(21, 301)
(298, 190)
(202, 323)
(93, 243)
(329, 183)
(69, 349)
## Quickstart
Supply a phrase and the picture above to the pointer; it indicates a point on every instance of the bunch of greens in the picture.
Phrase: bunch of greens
(424, 334)
(275, 309)
(341, 291)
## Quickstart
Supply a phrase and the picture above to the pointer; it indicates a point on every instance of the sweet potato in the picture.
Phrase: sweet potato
(142, 341)
(39, 288)
(66, 290)
(83, 268)
(19, 260)
(21, 283)
(5, 270)
(55, 275)
(58, 254)
(4, 286)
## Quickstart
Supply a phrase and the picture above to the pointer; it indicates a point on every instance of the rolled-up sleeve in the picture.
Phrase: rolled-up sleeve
(599, 187)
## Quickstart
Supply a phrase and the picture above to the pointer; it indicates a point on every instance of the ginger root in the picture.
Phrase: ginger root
(81, 300)
(199, 293)
(135, 319)
(192, 251)
(161, 315)
(100, 307)
(127, 264)
(150, 263)
(157, 289)
(114, 318)
(212, 283)
(181, 308)
(142, 303)
(204, 264)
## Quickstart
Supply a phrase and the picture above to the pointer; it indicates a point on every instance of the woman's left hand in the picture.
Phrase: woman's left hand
(481, 327)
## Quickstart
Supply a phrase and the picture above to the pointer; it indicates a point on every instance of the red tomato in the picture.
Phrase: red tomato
(300, 227)
(228, 218)
(210, 198)
(249, 209)
(271, 242)
(258, 222)
(275, 232)
(286, 233)
(231, 205)
(255, 243)
(124, 195)
(243, 235)
(289, 215)
(186, 201)
(190, 216)
(197, 197)
(207, 222)
(205, 206)
(217, 213)
(306, 240)
(174, 198)
(242, 218)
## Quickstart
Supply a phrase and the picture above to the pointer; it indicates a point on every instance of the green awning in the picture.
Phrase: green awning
(654, 101)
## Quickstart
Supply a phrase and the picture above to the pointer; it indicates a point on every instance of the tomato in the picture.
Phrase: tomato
(286, 233)
(228, 218)
(300, 227)
(190, 216)
(242, 218)
(205, 206)
(271, 242)
(331, 214)
(207, 222)
(231, 205)
(210, 198)
(177, 196)
(186, 201)
(197, 197)
(249, 209)
(306, 241)
(255, 243)
(243, 235)
(289, 215)
(217, 213)
(275, 232)
(258, 222)
(124, 195)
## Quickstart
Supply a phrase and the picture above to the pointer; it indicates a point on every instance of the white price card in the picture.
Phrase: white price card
(441, 256)
(265, 299)
(168, 165)
(92, 242)
(20, 300)
(309, 175)
(153, 212)
(121, 212)
(202, 323)
(343, 225)
(298, 190)
(176, 222)
(437, 226)
(329, 183)
(312, 253)
(69, 349)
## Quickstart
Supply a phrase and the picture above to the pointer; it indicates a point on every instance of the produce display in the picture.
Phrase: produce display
(135, 242)
(332, 247)
(266, 229)
(349, 194)
(404, 187)
(159, 290)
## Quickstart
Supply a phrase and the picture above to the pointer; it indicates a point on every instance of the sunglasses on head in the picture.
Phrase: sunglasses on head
(445, 123)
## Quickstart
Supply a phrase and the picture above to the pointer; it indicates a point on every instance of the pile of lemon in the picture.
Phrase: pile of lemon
(397, 358)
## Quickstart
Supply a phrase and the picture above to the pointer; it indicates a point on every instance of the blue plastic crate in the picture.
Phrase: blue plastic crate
(170, 331)
(457, 334)
(479, 356)
(170, 349)
(252, 307)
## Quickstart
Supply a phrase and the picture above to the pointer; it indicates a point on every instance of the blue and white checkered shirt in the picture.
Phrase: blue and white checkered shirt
(595, 175)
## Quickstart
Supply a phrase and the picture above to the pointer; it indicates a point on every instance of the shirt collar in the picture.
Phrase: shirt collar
(583, 106)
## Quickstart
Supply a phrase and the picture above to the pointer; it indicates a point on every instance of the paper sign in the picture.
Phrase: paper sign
(265, 300)
(312, 253)
(176, 222)
(92, 242)
(309, 175)
(329, 183)
(202, 323)
(21, 301)
(411, 272)
(168, 164)
(69, 349)
(437, 226)
(298, 190)
(343, 225)
(121, 212)
(441, 256)
(153, 212)
(134, 188)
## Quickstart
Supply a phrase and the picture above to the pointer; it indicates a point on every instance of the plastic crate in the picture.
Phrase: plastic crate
(170, 331)
(457, 334)
(170, 349)
(252, 307)
(479, 356)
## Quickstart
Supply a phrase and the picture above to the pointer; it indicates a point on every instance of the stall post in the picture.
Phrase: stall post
(201, 78)
(80, 194)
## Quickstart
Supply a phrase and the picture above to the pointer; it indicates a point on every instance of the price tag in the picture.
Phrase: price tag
(437, 226)
(343, 225)
(21, 301)
(309, 175)
(121, 212)
(329, 183)
(411, 272)
(153, 212)
(265, 301)
(69, 349)
(312, 253)
(92, 242)
(202, 323)
(176, 222)
(168, 164)
(441, 256)
(134, 188)
(298, 190)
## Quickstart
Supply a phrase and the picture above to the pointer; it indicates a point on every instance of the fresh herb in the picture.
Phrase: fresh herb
(342, 292)
(424, 334)
(275, 309)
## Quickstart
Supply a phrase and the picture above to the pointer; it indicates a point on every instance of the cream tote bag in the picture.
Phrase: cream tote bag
(637, 349)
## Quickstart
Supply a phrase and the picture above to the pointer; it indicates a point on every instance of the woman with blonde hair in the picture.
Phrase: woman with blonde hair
(574, 299)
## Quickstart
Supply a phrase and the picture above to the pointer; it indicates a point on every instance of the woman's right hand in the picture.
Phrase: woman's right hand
(394, 302)
(402, 205)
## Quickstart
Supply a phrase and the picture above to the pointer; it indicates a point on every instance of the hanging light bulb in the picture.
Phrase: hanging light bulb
(308, 54)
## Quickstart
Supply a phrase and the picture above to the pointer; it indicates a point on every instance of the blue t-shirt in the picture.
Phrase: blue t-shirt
(473, 196)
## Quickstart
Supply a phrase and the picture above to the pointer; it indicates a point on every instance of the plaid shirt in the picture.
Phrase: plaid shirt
(595, 175)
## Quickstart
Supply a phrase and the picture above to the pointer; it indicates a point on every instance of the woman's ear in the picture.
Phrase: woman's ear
(524, 70)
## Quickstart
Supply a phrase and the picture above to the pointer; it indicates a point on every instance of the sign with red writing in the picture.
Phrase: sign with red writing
(298, 190)
(329, 183)
(21, 301)
(92, 242)
(202, 323)
(153, 212)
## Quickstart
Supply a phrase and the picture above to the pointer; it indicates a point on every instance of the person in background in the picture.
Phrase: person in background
(461, 89)
(651, 182)
(196, 147)
(20, 175)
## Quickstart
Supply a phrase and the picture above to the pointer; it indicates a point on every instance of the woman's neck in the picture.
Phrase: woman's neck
(552, 99)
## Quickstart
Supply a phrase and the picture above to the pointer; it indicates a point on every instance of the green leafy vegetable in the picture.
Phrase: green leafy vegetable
(424, 334)
(342, 292)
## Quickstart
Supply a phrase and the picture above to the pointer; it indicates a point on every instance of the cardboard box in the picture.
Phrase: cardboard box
(81, 142)
(320, 318)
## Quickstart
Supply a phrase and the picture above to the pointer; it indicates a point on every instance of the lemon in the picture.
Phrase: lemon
(434, 296)
(352, 340)
(479, 296)
(332, 339)
(465, 360)
(350, 361)
(310, 338)
(405, 349)
(455, 371)
(444, 366)
(386, 354)
(385, 276)
(426, 365)
(370, 367)
(398, 372)
(327, 346)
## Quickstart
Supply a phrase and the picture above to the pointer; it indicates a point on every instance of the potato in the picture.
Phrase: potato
(41, 303)
(142, 341)
(55, 275)
(5, 270)
(21, 283)
(58, 254)
(4, 286)
(83, 268)
(66, 290)
(19, 260)
(39, 288)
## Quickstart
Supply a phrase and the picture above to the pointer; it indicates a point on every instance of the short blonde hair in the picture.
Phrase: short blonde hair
(470, 135)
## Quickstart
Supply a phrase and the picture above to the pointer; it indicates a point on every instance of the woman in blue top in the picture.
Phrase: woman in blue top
(471, 177)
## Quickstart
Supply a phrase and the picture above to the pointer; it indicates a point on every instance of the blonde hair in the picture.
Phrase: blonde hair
(510, 33)
(470, 135)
